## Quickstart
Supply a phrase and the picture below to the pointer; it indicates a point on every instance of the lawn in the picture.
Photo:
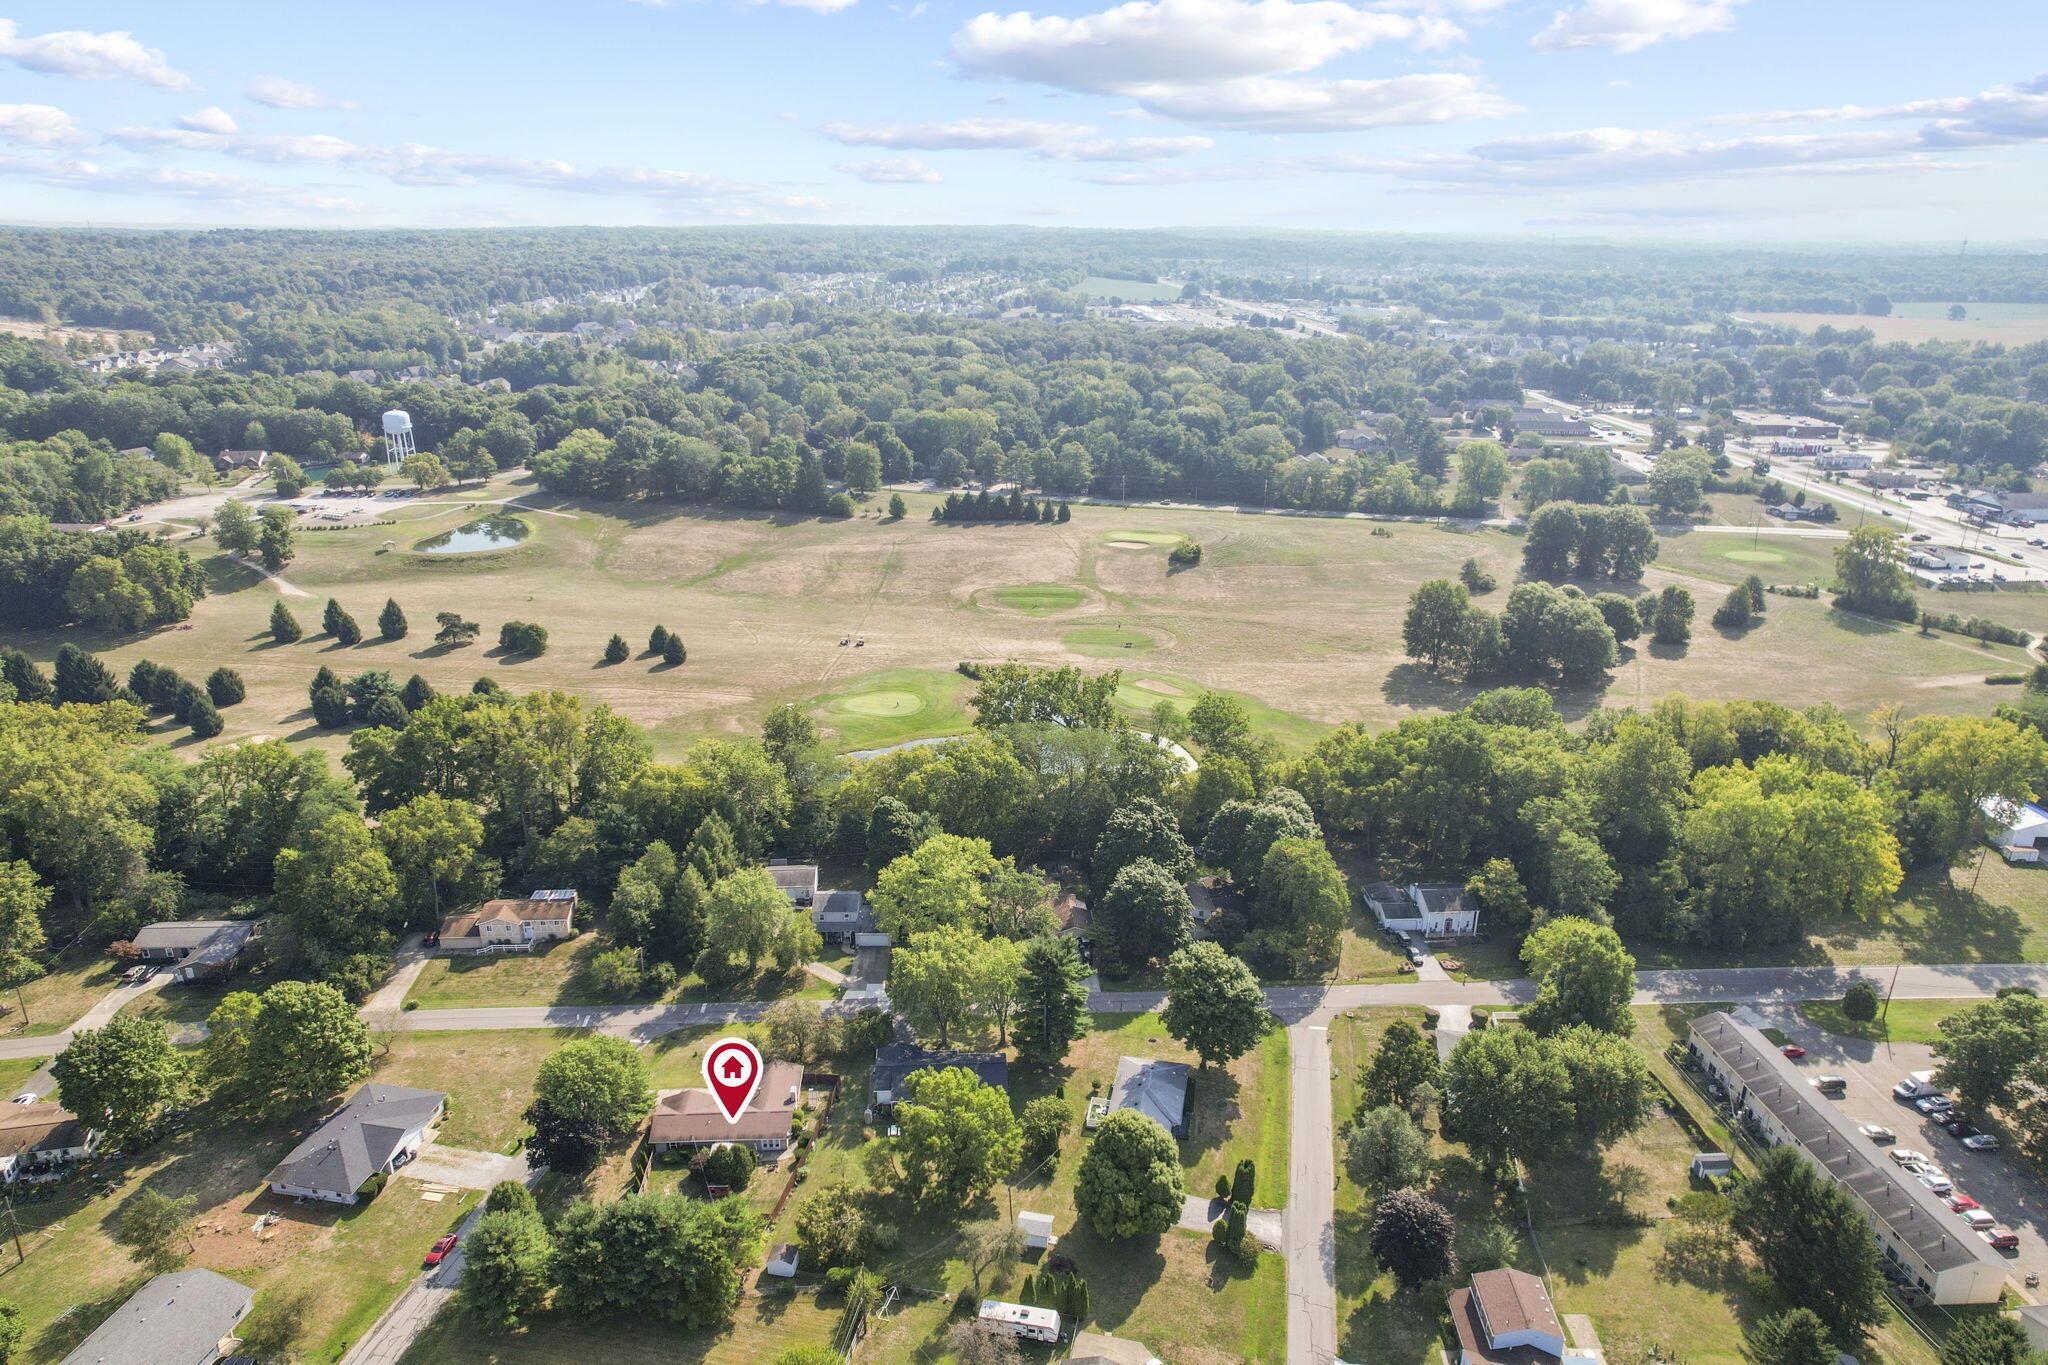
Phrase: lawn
(889, 707)
(1039, 598)
(1901, 1021)
(558, 975)
(1109, 642)
(487, 1074)
(321, 1275)
(54, 1001)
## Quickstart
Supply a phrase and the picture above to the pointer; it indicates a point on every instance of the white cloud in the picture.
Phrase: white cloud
(86, 56)
(1316, 106)
(38, 125)
(1228, 63)
(968, 134)
(279, 93)
(1632, 25)
(897, 170)
(211, 119)
(2004, 113)
(1127, 149)
(73, 173)
(1153, 42)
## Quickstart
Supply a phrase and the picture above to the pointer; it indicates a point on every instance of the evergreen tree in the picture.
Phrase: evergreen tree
(1066, 514)
(391, 620)
(1814, 1243)
(224, 687)
(83, 678)
(616, 650)
(284, 627)
(204, 719)
(25, 677)
(417, 693)
(673, 653)
(1052, 999)
(657, 640)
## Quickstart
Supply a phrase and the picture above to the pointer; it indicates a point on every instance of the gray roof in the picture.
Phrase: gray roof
(841, 910)
(1158, 1090)
(179, 1316)
(342, 1153)
(895, 1062)
(193, 933)
(1438, 899)
(1828, 1135)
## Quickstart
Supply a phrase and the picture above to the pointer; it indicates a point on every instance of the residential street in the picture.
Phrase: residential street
(1311, 1224)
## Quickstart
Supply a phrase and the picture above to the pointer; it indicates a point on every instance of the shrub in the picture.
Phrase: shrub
(672, 651)
(897, 508)
(616, 650)
(523, 637)
(839, 505)
(204, 719)
(731, 1165)
(1185, 555)
(1860, 1002)
(224, 687)
(1475, 577)
(1045, 1121)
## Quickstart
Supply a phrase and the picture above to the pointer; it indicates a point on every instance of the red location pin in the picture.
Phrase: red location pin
(732, 1068)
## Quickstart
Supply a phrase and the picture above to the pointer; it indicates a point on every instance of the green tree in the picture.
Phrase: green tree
(506, 1273)
(156, 1228)
(234, 528)
(1045, 1121)
(1860, 1002)
(1413, 1235)
(601, 1081)
(1583, 976)
(305, 1044)
(23, 899)
(616, 650)
(127, 1071)
(1671, 621)
(284, 627)
(434, 845)
(338, 892)
(224, 687)
(1303, 905)
(1507, 1097)
(391, 620)
(1143, 828)
(942, 881)
(1129, 1184)
(1052, 1000)
(673, 653)
(663, 1256)
(898, 509)
(958, 1136)
(832, 1226)
(1385, 1150)
(289, 476)
(1870, 573)
(1214, 1005)
(1611, 1087)
(1794, 1337)
(1434, 628)
(1405, 1060)
(1989, 1340)
(1812, 1239)
(742, 919)
(934, 982)
(1145, 915)
(1983, 1047)
(275, 541)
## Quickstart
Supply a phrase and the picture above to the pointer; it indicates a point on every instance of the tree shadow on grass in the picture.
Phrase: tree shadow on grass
(1411, 684)
(1855, 623)
(1214, 1107)
(1961, 925)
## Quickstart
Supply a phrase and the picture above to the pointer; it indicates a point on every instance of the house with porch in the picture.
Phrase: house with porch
(684, 1119)
(195, 949)
(510, 925)
(1433, 911)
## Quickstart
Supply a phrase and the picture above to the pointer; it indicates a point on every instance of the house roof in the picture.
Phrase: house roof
(842, 910)
(694, 1115)
(1158, 1090)
(339, 1155)
(1035, 1224)
(1915, 1217)
(511, 910)
(179, 1316)
(1476, 1347)
(41, 1127)
(1109, 1350)
(896, 1062)
(1513, 1300)
(192, 933)
(795, 877)
(1436, 900)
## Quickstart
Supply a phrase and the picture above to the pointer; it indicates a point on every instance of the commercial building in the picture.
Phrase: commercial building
(1923, 1244)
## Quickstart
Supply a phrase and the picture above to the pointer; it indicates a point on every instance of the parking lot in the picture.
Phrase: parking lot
(2011, 1195)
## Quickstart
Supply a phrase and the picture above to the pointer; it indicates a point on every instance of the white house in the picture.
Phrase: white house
(1506, 1316)
(1432, 911)
(511, 924)
(2019, 831)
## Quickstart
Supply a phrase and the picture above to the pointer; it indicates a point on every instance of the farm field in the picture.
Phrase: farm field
(764, 602)
(2007, 324)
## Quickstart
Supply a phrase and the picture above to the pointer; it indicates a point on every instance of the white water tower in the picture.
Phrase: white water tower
(397, 436)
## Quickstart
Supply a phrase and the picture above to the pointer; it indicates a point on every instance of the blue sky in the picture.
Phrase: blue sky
(1813, 120)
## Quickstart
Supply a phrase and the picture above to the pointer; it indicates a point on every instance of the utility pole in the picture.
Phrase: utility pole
(14, 1226)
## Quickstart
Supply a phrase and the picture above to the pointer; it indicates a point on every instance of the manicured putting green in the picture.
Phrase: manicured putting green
(1143, 695)
(1134, 538)
(1039, 597)
(1756, 556)
(1109, 641)
(883, 703)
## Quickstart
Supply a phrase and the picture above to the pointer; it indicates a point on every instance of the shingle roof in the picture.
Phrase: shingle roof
(44, 1126)
(342, 1153)
(1909, 1209)
(694, 1115)
(894, 1063)
(178, 1316)
(192, 933)
(1514, 1301)
(1158, 1090)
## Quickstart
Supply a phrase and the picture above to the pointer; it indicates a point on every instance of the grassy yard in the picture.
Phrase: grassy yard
(54, 1001)
(488, 1077)
(560, 975)
(1902, 1021)
(321, 1275)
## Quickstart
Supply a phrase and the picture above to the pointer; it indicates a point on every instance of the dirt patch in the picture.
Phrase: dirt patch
(227, 1238)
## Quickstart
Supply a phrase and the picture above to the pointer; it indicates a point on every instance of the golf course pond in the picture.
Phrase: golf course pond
(486, 533)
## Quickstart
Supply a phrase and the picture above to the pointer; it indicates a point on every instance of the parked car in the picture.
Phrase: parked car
(1960, 1203)
(2001, 1239)
(1956, 1126)
(1979, 1220)
(440, 1249)
(25, 1097)
(1981, 1142)
(432, 940)
(1793, 1050)
(1921, 535)
(1831, 1085)
(1934, 1104)
(1906, 1156)
(1939, 1183)
(1877, 1132)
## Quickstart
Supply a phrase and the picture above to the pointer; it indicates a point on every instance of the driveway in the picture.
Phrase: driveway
(1267, 1226)
(463, 1168)
(392, 1335)
(411, 960)
(1993, 1179)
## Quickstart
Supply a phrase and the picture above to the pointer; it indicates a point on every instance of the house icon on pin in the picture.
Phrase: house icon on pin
(735, 1068)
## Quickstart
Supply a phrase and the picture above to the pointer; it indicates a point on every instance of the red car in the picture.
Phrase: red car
(441, 1249)
(1793, 1050)
(1960, 1203)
